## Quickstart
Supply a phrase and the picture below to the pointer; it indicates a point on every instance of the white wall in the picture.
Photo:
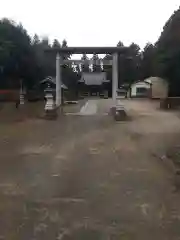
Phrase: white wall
(138, 85)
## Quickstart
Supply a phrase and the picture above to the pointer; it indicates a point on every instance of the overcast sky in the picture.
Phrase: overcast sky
(92, 22)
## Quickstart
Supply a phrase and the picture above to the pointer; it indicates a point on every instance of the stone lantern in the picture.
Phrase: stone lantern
(50, 107)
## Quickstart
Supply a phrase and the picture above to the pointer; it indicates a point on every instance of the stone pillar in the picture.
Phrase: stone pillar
(114, 77)
(58, 80)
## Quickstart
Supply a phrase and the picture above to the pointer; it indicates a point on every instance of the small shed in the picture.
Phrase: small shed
(159, 87)
(139, 89)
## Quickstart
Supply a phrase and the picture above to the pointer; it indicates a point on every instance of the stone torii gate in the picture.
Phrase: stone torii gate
(114, 51)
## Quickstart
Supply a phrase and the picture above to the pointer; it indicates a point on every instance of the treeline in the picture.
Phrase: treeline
(23, 57)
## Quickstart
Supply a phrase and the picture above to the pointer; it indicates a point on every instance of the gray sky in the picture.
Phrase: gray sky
(93, 22)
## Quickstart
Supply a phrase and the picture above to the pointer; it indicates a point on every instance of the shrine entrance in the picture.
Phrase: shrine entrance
(114, 51)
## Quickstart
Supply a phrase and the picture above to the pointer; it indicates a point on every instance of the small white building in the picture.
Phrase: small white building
(140, 89)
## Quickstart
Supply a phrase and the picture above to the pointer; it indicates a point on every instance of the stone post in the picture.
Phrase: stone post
(21, 94)
(114, 77)
(58, 80)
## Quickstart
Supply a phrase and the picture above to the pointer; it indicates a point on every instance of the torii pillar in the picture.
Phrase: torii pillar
(119, 110)
(114, 77)
(58, 80)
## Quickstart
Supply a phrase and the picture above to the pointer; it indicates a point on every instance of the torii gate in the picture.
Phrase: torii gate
(115, 51)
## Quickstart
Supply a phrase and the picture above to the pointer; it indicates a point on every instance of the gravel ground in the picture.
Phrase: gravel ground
(88, 177)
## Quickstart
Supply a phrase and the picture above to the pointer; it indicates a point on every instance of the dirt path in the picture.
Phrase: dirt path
(88, 177)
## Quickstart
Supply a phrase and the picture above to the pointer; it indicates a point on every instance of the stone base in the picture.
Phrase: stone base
(120, 115)
(21, 107)
(163, 104)
(51, 114)
(112, 111)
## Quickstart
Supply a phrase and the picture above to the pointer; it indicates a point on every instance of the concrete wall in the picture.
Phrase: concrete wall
(159, 88)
